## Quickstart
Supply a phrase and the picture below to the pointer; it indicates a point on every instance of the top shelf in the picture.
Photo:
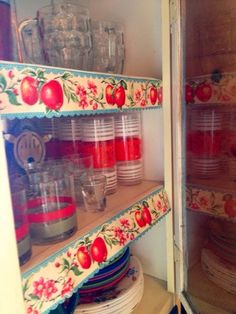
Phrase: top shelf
(28, 91)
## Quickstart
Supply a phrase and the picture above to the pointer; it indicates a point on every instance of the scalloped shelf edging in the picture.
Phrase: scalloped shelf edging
(47, 285)
(28, 91)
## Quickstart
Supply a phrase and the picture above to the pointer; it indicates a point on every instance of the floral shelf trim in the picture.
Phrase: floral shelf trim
(43, 91)
(47, 286)
(216, 88)
(214, 203)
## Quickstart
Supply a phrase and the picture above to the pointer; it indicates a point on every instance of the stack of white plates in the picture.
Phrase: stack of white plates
(111, 175)
(130, 172)
(221, 272)
(120, 299)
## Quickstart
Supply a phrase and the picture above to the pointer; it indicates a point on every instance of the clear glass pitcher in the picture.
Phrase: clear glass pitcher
(60, 36)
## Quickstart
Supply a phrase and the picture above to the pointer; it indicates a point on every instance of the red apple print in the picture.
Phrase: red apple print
(189, 94)
(230, 208)
(147, 215)
(109, 94)
(51, 95)
(99, 250)
(139, 218)
(29, 90)
(83, 257)
(203, 92)
(120, 96)
(153, 95)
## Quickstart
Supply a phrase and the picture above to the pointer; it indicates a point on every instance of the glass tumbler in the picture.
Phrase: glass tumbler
(108, 46)
(52, 211)
(19, 204)
(98, 140)
(205, 142)
(94, 192)
(128, 144)
(59, 36)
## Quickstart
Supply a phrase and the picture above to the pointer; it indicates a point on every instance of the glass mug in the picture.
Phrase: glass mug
(59, 36)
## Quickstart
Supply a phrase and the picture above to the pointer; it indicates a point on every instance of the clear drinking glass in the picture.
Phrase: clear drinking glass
(108, 46)
(94, 192)
(59, 36)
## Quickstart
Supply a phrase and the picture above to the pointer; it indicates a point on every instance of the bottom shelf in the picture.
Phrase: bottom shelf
(206, 297)
(156, 299)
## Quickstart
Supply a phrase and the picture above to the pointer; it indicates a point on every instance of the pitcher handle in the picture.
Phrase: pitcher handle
(30, 42)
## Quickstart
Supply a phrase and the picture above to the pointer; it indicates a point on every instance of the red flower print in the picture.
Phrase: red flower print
(10, 74)
(203, 201)
(131, 236)
(81, 91)
(67, 287)
(50, 288)
(68, 254)
(164, 209)
(122, 239)
(39, 287)
(95, 106)
(118, 232)
(29, 309)
(15, 91)
(143, 103)
(138, 95)
(158, 204)
(83, 103)
(57, 264)
(125, 223)
(194, 206)
(92, 87)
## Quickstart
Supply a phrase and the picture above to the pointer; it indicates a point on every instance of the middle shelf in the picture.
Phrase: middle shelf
(129, 214)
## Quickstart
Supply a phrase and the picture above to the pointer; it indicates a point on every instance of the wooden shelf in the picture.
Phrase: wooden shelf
(88, 221)
(58, 265)
(156, 298)
(222, 185)
(208, 296)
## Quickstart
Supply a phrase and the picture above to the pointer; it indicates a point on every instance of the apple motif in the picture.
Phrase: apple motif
(109, 94)
(147, 215)
(120, 96)
(98, 250)
(29, 90)
(139, 218)
(203, 92)
(230, 208)
(153, 95)
(83, 257)
(189, 94)
(51, 95)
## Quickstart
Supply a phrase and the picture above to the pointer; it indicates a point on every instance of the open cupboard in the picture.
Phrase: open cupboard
(157, 33)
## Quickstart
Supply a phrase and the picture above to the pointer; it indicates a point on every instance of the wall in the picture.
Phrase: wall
(211, 36)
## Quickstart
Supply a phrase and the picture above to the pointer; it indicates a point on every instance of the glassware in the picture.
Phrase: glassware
(98, 140)
(205, 142)
(5, 31)
(19, 204)
(128, 144)
(59, 36)
(52, 211)
(94, 192)
(108, 46)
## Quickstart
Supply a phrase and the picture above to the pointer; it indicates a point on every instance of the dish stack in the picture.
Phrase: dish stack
(69, 136)
(98, 140)
(218, 259)
(118, 297)
(205, 141)
(128, 143)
